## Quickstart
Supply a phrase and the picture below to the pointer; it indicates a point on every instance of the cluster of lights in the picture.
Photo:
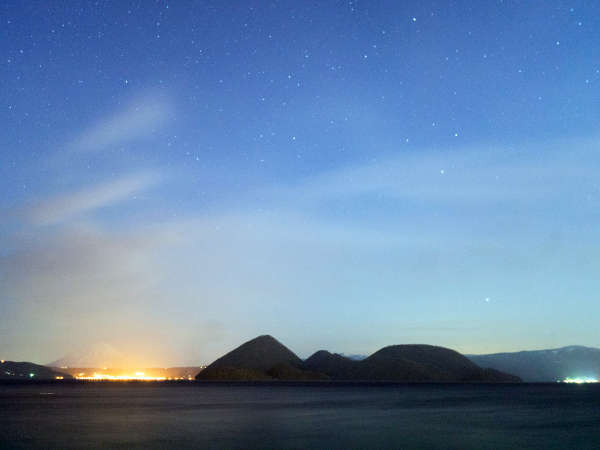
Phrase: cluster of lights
(580, 380)
(138, 376)
(104, 376)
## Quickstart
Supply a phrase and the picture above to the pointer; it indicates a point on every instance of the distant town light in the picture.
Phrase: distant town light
(138, 376)
(580, 380)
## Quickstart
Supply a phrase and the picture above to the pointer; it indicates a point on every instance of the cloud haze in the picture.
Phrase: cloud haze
(178, 185)
(319, 251)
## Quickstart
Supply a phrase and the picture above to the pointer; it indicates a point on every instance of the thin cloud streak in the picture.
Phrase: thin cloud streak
(246, 267)
(468, 177)
(71, 205)
(137, 121)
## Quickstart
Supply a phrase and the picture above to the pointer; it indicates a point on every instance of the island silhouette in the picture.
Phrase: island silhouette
(265, 358)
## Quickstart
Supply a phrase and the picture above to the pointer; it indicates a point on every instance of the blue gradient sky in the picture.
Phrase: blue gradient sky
(178, 177)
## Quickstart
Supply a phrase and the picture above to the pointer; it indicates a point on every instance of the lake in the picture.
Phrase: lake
(303, 415)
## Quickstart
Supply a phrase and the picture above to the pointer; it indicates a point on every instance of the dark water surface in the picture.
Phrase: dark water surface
(179, 415)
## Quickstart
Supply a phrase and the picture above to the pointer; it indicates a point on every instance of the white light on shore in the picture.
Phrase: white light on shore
(580, 380)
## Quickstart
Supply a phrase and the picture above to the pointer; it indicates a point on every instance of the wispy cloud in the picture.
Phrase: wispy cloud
(311, 260)
(73, 204)
(469, 177)
(136, 121)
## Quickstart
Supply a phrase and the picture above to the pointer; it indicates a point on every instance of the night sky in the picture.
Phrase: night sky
(179, 177)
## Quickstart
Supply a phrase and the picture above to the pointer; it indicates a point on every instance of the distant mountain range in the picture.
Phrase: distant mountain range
(353, 356)
(545, 365)
(265, 358)
(11, 370)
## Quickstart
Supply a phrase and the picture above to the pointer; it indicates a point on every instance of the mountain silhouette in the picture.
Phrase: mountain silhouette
(334, 365)
(546, 365)
(406, 363)
(262, 358)
(11, 370)
(265, 358)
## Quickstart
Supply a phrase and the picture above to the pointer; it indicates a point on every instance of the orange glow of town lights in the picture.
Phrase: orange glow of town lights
(137, 376)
